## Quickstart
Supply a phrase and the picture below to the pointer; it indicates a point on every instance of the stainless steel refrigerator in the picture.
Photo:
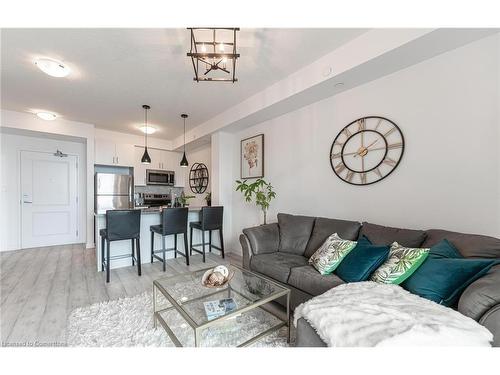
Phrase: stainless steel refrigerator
(113, 191)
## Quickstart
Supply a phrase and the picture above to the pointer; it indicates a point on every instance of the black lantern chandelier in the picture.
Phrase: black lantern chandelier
(145, 157)
(213, 53)
(184, 162)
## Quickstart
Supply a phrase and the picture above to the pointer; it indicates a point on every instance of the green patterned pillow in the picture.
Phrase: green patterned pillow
(331, 253)
(400, 264)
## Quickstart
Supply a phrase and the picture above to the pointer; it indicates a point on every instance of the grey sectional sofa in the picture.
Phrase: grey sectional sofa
(281, 251)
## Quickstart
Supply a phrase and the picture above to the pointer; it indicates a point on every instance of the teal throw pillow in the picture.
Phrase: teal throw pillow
(359, 264)
(445, 274)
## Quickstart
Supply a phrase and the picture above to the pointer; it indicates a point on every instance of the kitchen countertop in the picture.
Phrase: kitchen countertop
(154, 210)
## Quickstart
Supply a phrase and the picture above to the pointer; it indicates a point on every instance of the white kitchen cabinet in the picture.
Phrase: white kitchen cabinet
(104, 152)
(165, 160)
(124, 154)
(111, 153)
(169, 160)
(156, 158)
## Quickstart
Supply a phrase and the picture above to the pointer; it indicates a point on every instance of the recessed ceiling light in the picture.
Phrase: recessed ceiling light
(147, 129)
(47, 116)
(52, 67)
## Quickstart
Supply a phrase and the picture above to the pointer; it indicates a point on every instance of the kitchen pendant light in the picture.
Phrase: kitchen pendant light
(184, 162)
(146, 159)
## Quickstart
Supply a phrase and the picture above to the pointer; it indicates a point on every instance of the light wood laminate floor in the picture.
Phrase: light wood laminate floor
(40, 287)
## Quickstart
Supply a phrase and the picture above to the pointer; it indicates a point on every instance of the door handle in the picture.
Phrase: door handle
(27, 202)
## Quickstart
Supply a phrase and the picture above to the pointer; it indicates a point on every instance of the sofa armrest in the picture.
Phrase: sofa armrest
(259, 240)
(481, 302)
(246, 250)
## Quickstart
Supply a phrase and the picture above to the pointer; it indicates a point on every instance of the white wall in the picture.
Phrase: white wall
(10, 215)
(199, 155)
(447, 108)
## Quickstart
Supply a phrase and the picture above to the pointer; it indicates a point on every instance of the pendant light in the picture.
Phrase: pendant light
(184, 162)
(145, 157)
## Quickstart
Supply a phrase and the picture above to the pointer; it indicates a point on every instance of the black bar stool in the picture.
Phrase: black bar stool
(121, 225)
(173, 222)
(211, 219)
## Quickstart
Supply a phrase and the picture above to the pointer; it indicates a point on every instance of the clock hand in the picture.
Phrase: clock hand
(371, 144)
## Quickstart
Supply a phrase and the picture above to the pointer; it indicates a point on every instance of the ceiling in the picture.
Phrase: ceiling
(115, 71)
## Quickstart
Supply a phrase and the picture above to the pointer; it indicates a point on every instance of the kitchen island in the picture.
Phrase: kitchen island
(148, 217)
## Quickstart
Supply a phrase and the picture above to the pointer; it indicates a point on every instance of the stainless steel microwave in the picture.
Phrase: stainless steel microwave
(159, 177)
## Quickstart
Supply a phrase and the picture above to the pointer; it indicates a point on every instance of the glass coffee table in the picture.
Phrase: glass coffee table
(179, 306)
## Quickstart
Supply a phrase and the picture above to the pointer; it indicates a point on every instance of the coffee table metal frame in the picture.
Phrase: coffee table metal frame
(199, 327)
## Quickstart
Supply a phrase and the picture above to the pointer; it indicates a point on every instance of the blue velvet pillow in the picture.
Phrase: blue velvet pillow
(445, 274)
(361, 261)
(444, 249)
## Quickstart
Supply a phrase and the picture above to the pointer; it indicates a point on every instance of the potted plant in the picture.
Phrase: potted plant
(184, 199)
(260, 190)
(208, 199)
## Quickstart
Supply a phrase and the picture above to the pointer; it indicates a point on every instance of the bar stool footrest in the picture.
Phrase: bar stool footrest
(166, 250)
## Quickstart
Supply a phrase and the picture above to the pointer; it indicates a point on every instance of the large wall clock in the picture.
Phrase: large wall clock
(367, 150)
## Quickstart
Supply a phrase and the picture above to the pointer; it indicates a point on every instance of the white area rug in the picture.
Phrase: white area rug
(129, 322)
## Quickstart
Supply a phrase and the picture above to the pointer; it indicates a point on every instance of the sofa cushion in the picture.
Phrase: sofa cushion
(323, 228)
(310, 281)
(328, 257)
(442, 279)
(362, 261)
(295, 232)
(276, 265)
(380, 235)
(401, 264)
(263, 239)
(469, 245)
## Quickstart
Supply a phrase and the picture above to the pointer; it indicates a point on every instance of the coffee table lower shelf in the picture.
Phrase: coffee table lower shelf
(159, 318)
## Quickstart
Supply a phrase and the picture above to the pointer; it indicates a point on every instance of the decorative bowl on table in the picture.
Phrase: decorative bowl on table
(216, 277)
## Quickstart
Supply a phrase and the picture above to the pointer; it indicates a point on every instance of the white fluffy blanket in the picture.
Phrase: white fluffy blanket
(373, 314)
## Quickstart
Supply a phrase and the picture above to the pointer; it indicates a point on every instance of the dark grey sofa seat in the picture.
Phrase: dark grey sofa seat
(281, 251)
(277, 265)
(309, 280)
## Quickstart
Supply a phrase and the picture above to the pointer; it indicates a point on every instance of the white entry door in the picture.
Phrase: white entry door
(49, 199)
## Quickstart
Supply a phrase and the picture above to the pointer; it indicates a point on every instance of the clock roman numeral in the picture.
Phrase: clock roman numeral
(395, 145)
(337, 143)
(347, 132)
(378, 124)
(339, 167)
(390, 162)
(336, 156)
(377, 171)
(362, 177)
(361, 124)
(349, 176)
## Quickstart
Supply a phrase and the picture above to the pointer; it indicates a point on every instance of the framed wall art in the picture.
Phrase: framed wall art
(252, 157)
